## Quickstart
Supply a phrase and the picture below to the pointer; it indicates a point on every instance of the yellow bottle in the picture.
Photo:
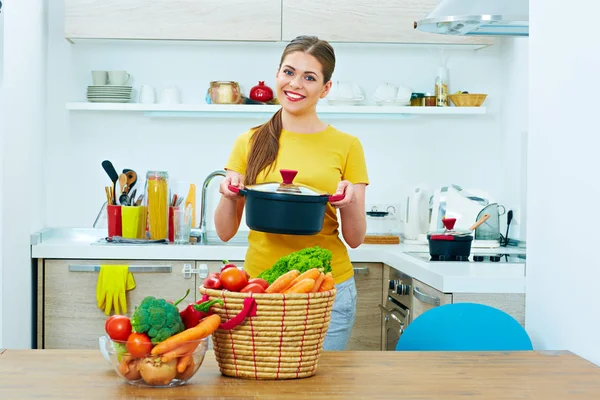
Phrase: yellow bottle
(441, 87)
(157, 200)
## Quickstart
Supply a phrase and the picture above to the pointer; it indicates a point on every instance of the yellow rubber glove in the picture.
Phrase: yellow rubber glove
(113, 281)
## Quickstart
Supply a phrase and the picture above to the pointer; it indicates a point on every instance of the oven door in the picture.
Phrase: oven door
(395, 319)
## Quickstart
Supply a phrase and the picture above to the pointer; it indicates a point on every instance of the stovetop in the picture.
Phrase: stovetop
(475, 258)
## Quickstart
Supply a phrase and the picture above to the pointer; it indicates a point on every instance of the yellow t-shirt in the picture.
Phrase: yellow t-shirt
(322, 160)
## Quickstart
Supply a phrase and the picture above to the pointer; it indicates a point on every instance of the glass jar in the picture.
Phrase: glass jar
(417, 99)
(430, 100)
(225, 92)
(157, 202)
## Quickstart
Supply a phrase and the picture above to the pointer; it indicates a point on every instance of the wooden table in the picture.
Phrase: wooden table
(84, 374)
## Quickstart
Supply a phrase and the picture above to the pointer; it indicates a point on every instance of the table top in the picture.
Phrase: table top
(84, 374)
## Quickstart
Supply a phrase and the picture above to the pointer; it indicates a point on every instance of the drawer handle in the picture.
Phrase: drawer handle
(361, 271)
(132, 268)
(425, 298)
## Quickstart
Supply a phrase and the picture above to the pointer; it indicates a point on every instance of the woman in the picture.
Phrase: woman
(325, 158)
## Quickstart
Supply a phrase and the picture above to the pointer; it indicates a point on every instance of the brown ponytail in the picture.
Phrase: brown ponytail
(264, 144)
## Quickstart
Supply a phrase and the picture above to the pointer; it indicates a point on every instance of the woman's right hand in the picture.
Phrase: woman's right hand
(234, 179)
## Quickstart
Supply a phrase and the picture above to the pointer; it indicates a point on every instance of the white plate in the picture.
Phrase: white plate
(393, 103)
(105, 100)
(110, 87)
(345, 102)
(121, 96)
(109, 91)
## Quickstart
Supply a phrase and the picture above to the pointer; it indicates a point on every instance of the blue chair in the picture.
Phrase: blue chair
(464, 327)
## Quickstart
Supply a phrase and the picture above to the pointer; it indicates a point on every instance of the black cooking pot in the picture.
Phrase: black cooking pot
(286, 207)
(450, 244)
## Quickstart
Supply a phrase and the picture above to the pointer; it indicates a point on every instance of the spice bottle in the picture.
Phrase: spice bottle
(441, 87)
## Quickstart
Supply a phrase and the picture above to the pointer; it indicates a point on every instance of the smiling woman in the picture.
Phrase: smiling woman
(326, 159)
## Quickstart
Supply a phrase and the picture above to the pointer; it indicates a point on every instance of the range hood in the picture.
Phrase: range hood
(478, 18)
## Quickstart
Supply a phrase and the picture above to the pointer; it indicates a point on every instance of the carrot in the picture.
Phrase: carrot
(312, 273)
(183, 363)
(328, 283)
(318, 283)
(187, 348)
(281, 283)
(207, 326)
(304, 286)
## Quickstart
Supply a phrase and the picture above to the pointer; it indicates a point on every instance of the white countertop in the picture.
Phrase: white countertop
(448, 277)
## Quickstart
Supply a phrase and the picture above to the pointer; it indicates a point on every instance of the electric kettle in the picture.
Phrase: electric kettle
(416, 219)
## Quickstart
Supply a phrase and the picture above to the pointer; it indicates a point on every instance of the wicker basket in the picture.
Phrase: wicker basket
(467, 100)
(283, 340)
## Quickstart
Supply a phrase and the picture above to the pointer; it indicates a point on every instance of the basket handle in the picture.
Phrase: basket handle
(249, 310)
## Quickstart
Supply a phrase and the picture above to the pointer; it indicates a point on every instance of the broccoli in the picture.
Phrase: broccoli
(157, 318)
(302, 260)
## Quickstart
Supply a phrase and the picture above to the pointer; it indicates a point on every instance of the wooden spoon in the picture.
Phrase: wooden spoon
(484, 218)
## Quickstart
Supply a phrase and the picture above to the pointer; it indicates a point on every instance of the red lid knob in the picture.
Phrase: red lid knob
(288, 175)
(449, 223)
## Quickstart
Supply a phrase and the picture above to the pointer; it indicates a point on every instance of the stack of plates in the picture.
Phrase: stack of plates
(109, 94)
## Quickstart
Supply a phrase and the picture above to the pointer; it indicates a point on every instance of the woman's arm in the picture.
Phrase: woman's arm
(354, 221)
(228, 214)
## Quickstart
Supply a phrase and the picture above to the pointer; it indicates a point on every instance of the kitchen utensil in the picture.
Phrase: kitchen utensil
(138, 202)
(112, 174)
(123, 198)
(131, 177)
(450, 243)
(261, 92)
(285, 207)
(484, 218)
(509, 217)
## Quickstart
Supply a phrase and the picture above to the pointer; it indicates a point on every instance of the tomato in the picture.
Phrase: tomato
(260, 281)
(139, 345)
(233, 279)
(228, 265)
(253, 288)
(212, 281)
(118, 327)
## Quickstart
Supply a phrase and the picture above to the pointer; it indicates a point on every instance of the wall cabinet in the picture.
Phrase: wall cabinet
(68, 317)
(383, 21)
(366, 333)
(255, 20)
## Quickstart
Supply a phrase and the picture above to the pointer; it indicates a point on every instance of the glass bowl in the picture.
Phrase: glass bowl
(155, 371)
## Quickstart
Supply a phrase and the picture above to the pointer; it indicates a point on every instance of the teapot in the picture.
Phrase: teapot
(261, 92)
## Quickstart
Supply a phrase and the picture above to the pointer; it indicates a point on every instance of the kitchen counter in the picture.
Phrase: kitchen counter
(84, 374)
(448, 277)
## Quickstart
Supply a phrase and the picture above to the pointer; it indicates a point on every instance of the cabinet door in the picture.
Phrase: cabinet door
(72, 320)
(383, 21)
(425, 298)
(254, 20)
(366, 334)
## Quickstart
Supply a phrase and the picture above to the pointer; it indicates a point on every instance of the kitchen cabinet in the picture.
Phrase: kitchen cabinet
(384, 21)
(366, 333)
(69, 317)
(251, 20)
(426, 297)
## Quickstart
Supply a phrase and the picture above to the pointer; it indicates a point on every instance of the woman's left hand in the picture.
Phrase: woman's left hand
(346, 188)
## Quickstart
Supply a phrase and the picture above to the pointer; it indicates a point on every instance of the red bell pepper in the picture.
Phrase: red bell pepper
(213, 281)
(194, 312)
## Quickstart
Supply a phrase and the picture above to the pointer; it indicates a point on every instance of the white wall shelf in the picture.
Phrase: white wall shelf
(261, 111)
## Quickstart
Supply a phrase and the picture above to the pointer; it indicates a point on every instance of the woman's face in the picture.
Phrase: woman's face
(299, 83)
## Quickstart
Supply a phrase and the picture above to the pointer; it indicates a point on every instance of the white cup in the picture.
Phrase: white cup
(99, 78)
(118, 78)
(147, 94)
(385, 92)
(170, 95)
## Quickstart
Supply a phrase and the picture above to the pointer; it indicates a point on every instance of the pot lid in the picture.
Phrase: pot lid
(450, 231)
(287, 186)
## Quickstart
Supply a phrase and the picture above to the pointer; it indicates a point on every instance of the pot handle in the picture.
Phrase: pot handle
(337, 197)
(236, 189)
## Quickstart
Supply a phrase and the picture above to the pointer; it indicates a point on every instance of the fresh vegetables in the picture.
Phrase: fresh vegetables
(158, 318)
(194, 312)
(281, 283)
(233, 279)
(301, 260)
(212, 281)
(157, 360)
